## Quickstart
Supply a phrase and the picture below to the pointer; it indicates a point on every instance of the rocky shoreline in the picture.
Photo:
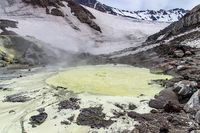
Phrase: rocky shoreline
(175, 109)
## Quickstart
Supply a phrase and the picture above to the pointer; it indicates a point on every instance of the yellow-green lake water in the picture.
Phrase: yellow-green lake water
(111, 80)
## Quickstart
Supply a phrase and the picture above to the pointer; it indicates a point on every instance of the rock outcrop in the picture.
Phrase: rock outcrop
(57, 12)
(189, 21)
(28, 50)
(82, 14)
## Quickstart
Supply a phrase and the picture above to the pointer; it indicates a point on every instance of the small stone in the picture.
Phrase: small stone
(178, 53)
(71, 118)
(33, 126)
(77, 106)
(123, 118)
(12, 111)
(41, 110)
(65, 123)
(153, 111)
(55, 117)
(92, 126)
(164, 130)
(132, 106)
(188, 53)
(182, 67)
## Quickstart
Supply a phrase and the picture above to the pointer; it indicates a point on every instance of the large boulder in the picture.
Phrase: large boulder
(162, 98)
(185, 88)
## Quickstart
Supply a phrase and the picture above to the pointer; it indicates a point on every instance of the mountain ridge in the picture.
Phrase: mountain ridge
(151, 15)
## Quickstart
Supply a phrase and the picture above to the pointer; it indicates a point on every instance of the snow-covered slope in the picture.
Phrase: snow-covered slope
(161, 15)
(69, 33)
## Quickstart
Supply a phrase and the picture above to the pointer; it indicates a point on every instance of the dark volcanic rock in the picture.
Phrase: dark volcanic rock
(160, 122)
(161, 99)
(68, 104)
(17, 98)
(185, 88)
(7, 23)
(170, 107)
(132, 106)
(57, 12)
(39, 118)
(83, 15)
(71, 118)
(65, 123)
(93, 117)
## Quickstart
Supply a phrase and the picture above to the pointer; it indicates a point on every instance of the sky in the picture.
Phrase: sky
(135, 5)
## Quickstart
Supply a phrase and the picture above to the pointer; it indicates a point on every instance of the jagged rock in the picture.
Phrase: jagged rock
(7, 23)
(83, 15)
(57, 12)
(189, 107)
(178, 53)
(185, 88)
(39, 118)
(163, 97)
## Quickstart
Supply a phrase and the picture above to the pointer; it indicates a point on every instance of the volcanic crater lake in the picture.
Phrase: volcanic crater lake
(108, 79)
